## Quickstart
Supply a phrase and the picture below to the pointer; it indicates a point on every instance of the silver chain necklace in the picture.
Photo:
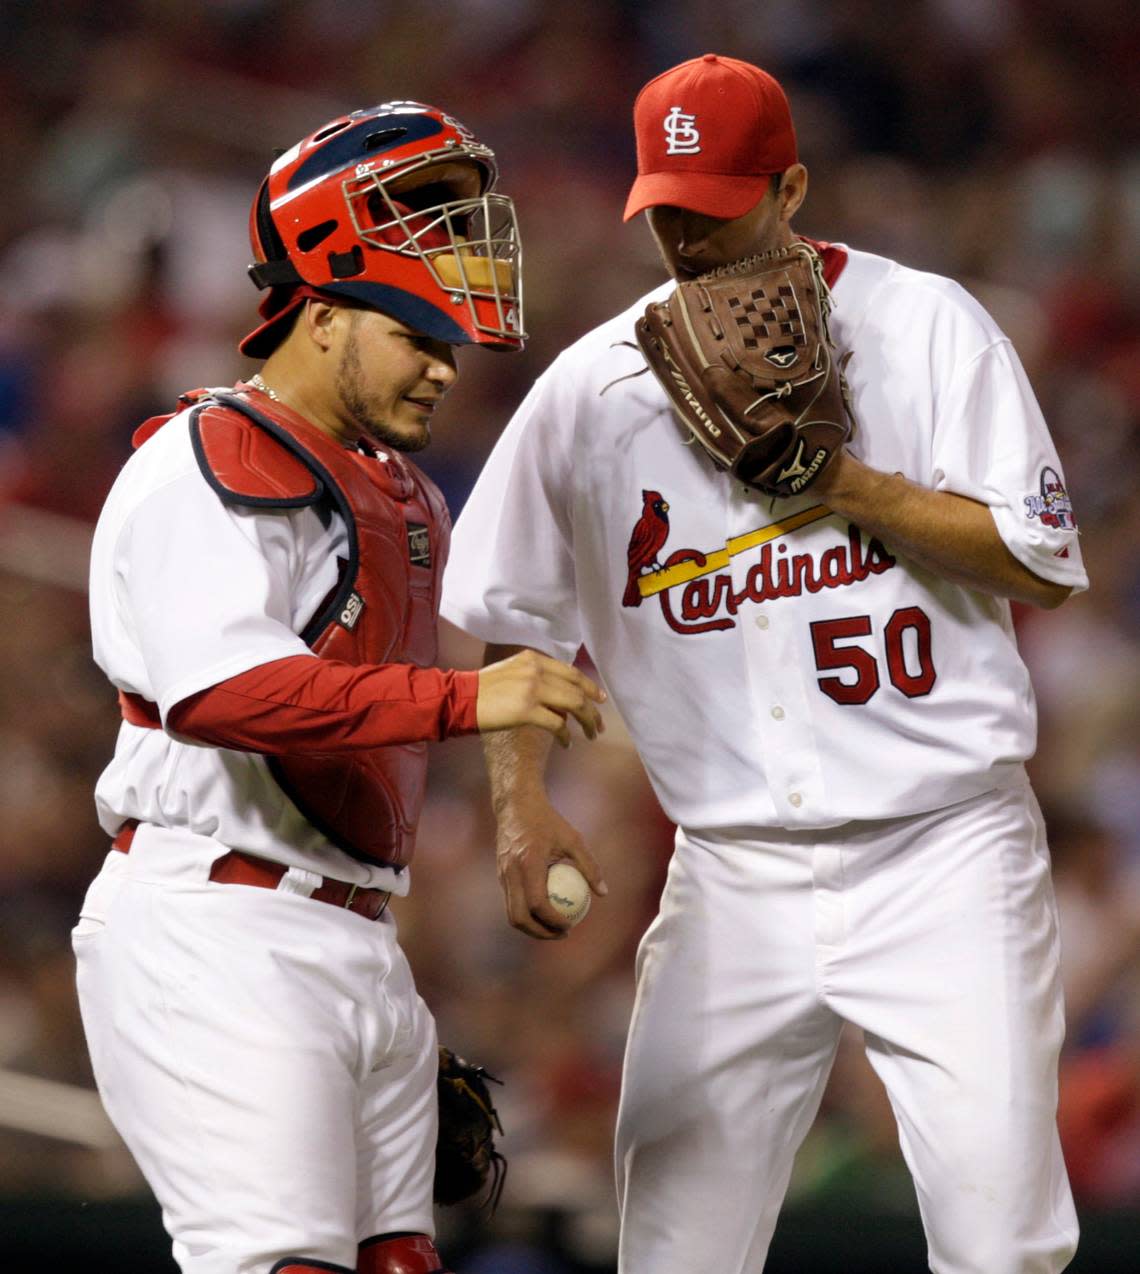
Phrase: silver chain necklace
(256, 381)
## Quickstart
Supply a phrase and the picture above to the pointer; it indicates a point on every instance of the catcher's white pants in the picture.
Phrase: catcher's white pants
(265, 1057)
(937, 936)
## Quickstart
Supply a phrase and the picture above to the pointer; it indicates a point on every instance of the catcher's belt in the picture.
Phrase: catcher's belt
(237, 868)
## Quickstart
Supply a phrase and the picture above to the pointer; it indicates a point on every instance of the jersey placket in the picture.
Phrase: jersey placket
(781, 720)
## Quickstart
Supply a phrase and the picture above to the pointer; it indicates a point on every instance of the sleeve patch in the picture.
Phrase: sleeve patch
(1051, 503)
(247, 465)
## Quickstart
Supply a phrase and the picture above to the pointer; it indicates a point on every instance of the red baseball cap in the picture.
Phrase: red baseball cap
(710, 134)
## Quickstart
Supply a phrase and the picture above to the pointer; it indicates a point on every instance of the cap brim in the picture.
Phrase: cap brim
(710, 194)
(263, 340)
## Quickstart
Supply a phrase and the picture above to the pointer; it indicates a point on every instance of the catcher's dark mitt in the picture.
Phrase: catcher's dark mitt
(746, 357)
(465, 1155)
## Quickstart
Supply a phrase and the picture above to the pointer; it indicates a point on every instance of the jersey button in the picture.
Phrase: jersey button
(796, 799)
(778, 712)
(761, 621)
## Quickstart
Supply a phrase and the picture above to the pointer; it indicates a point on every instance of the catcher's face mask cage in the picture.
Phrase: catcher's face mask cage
(393, 207)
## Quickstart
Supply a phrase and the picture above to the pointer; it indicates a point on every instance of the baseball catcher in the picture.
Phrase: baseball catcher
(745, 355)
(288, 552)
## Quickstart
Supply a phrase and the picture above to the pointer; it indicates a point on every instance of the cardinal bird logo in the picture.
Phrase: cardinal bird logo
(649, 535)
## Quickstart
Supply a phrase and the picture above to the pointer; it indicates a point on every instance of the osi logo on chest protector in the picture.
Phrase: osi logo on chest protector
(351, 612)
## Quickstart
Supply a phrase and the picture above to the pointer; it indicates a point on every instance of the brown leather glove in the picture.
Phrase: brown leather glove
(746, 357)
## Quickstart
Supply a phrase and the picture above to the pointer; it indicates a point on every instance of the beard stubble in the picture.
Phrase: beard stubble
(349, 385)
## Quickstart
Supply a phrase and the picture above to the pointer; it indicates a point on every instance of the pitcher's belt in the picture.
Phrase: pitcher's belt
(236, 868)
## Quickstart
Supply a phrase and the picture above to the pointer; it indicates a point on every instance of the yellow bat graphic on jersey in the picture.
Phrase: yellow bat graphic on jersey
(683, 572)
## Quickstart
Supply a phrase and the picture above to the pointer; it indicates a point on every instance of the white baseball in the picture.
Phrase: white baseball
(568, 891)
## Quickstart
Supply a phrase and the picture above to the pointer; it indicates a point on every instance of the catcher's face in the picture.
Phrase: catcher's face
(389, 381)
(692, 243)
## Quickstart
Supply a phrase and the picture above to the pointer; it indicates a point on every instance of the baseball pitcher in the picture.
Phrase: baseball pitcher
(784, 501)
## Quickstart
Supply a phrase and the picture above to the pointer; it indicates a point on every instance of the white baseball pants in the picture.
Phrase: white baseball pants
(937, 936)
(264, 1056)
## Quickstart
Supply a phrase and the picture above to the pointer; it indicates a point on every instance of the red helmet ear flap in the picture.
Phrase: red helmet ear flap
(273, 267)
(271, 246)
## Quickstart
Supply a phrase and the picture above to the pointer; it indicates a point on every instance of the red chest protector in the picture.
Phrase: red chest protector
(383, 610)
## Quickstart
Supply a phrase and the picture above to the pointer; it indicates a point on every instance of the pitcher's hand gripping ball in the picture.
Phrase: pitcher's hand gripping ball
(465, 1154)
(745, 356)
(568, 891)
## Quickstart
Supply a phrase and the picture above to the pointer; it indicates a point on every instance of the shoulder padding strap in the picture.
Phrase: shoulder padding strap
(248, 465)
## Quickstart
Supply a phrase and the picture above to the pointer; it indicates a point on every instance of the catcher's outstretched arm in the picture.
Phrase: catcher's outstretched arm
(952, 535)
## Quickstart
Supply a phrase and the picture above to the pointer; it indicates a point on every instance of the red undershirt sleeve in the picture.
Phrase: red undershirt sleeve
(305, 704)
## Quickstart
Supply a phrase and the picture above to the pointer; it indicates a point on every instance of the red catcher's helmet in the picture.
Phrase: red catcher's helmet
(391, 207)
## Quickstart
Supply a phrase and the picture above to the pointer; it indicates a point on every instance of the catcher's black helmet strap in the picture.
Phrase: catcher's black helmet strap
(271, 274)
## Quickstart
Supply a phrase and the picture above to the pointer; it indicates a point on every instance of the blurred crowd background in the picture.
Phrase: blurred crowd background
(995, 141)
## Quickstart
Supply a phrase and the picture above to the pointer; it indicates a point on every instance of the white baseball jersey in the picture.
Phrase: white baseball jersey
(776, 666)
(186, 592)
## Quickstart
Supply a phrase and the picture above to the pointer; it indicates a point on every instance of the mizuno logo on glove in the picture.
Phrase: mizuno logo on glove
(800, 473)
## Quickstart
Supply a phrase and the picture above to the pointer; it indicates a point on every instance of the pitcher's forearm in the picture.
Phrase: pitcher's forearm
(952, 535)
(516, 764)
(516, 759)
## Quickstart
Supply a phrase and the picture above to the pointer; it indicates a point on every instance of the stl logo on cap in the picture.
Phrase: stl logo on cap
(681, 134)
